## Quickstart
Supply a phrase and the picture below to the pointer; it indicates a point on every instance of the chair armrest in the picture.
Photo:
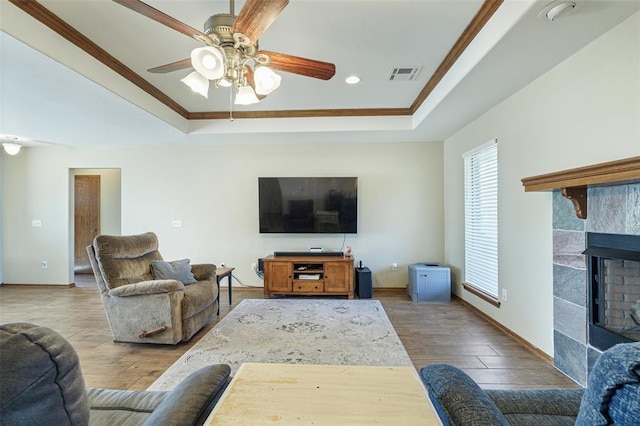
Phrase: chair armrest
(104, 400)
(191, 402)
(459, 400)
(552, 402)
(147, 287)
(204, 272)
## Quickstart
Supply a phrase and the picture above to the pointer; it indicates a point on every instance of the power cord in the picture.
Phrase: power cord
(259, 274)
(344, 240)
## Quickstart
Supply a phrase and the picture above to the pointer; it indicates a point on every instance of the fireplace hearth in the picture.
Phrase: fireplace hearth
(613, 274)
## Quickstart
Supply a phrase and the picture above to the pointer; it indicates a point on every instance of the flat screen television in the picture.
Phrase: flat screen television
(314, 205)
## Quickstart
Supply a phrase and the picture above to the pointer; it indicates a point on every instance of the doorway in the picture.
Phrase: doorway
(96, 210)
(86, 219)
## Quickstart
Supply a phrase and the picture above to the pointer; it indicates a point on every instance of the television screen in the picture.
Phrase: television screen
(308, 205)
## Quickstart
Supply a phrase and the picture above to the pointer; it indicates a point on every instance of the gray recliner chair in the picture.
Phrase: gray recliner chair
(612, 396)
(42, 384)
(146, 299)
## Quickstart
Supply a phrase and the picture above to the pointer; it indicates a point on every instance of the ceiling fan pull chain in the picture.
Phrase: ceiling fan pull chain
(231, 103)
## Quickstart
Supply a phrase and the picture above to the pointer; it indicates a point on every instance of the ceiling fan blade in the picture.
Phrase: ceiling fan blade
(163, 18)
(173, 66)
(256, 16)
(302, 66)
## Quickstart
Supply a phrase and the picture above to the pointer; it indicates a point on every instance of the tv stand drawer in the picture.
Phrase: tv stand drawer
(311, 286)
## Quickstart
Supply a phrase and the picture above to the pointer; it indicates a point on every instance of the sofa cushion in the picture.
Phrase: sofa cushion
(41, 378)
(175, 270)
(613, 389)
(538, 407)
(197, 296)
(126, 259)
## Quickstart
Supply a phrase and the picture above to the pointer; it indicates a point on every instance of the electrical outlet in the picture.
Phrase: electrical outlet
(394, 266)
(44, 264)
(504, 294)
(222, 264)
(253, 266)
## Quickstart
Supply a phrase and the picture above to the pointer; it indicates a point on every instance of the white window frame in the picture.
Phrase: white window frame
(481, 221)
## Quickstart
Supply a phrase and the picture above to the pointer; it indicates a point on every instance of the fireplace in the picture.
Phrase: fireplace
(605, 199)
(613, 275)
(613, 222)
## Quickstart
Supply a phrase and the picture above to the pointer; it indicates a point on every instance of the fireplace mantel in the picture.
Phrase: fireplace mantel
(573, 183)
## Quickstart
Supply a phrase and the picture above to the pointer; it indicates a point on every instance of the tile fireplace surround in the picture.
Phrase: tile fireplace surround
(613, 208)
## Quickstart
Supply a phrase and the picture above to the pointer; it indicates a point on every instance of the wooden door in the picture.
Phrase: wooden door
(278, 276)
(336, 277)
(86, 218)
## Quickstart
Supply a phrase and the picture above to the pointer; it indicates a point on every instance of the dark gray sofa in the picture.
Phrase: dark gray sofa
(41, 384)
(611, 397)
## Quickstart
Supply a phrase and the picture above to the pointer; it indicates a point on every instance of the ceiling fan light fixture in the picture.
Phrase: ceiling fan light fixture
(208, 61)
(266, 80)
(246, 96)
(223, 82)
(11, 148)
(196, 82)
(231, 51)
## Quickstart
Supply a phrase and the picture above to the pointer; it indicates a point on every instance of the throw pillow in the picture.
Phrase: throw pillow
(177, 270)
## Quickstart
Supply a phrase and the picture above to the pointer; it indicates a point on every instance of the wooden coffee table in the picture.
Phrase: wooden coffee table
(298, 394)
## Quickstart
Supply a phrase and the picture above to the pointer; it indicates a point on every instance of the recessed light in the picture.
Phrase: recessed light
(353, 79)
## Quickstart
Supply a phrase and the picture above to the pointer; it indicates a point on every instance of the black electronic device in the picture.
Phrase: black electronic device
(363, 283)
(313, 205)
(309, 254)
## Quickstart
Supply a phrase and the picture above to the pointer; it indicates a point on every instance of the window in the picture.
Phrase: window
(481, 221)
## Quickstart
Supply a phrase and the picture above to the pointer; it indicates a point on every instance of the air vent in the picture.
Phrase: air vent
(404, 73)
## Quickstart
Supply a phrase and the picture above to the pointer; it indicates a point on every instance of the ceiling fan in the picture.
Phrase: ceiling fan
(231, 48)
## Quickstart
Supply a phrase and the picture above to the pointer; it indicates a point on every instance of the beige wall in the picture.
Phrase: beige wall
(584, 111)
(213, 190)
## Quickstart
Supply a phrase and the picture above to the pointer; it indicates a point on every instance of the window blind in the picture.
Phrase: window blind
(481, 218)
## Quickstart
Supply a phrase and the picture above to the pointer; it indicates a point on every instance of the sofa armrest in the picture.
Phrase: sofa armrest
(459, 400)
(204, 272)
(191, 402)
(552, 402)
(110, 406)
(147, 287)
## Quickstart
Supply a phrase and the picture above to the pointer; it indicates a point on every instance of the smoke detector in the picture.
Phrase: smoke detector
(557, 9)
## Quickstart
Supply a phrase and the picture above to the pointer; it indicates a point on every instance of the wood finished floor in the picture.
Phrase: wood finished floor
(431, 333)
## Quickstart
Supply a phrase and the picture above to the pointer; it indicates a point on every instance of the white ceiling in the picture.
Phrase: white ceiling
(50, 91)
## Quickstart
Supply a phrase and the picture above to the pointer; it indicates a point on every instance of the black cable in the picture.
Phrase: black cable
(247, 285)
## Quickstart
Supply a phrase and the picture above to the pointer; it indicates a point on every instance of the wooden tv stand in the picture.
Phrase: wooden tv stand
(308, 276)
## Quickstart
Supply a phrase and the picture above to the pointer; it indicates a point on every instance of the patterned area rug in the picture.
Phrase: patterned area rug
(294, 331)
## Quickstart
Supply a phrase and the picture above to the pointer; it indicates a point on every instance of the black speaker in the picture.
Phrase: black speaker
(363, 283)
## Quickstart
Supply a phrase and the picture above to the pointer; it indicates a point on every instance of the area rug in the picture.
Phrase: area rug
(294, 331)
